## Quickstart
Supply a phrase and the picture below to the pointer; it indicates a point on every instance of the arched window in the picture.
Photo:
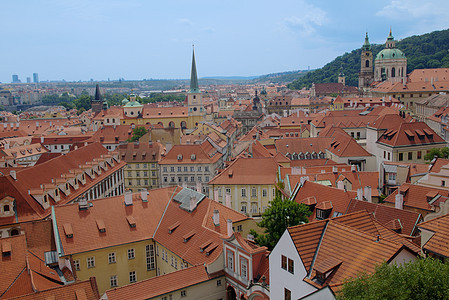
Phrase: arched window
(393, 72)
(14, 232)
(183, 125)
(171, 124)
(367, 63)
(160, 123)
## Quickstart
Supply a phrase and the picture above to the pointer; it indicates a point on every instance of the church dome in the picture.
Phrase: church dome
(133, 104)
(125, 101)
(390, 54)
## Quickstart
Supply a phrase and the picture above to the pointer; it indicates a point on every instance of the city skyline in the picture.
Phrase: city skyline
(137, 40)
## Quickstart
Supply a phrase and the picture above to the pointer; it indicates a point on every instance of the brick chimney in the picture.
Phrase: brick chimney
(229, 227)
(128, 198)
(144, 195)
(399, 201)
(216, 217)
(367, 193)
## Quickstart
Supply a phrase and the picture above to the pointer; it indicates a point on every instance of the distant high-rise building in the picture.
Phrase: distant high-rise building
(35, 77)
(28, 79)
(15, 79)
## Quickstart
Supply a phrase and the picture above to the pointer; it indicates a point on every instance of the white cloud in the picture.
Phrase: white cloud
(307, 22)
(414, 9)
(186, 22)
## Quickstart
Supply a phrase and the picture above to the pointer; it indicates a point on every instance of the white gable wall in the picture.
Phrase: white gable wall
(280, 278)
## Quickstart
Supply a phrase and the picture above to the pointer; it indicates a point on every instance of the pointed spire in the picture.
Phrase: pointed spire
(366, 45)
(97, 92)
(193, 76)
(390, 36)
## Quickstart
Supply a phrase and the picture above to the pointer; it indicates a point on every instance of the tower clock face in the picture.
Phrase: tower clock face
(367, 54)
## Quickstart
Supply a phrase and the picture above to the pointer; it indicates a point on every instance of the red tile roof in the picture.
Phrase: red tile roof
(204, 153)
(398, 137)
(438, 243)
(160, 285)
(415, 196)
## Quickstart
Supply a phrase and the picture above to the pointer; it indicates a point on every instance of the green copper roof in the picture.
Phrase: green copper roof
(366, 45)
(133, 104)
(194, 77)
(390, 54)
(390, 36)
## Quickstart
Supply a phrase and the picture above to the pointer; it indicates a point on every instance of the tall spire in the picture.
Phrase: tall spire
(366, 44)
(97, 92)
(193, 76)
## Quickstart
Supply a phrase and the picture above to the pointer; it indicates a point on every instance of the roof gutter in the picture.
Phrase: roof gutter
(317, 249)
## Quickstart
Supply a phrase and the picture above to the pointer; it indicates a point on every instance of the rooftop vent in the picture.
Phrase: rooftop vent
(100, 225)
(131, 221)
(68, 230)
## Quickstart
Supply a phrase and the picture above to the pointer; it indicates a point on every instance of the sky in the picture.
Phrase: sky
(142, 39)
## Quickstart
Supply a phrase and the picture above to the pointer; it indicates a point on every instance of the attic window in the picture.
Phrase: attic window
(193, 157)
(173, 227)
(68, 230)
(188, 236)
(179, 156)
(205, 245)
(231, 172)
(101, 226)
(210, 249)
(6, 249)
(131, 221)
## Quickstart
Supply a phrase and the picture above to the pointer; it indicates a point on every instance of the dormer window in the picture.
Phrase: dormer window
(179, 156)
(193, 157)
(6, 249)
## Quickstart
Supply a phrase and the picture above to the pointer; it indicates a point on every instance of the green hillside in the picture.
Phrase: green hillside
(283, 77)
(429, 50)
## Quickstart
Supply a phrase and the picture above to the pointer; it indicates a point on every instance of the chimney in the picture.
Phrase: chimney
(184, 184)
(5, 125)
(353, 168)
(192, 204)
(128, 197)
(12, 125)
(359, 194)
(42, 139)
(334, 169)
(216, 217)
(13, 174)
(144, 195)
(6, 146)
(399, 201)
(17, 125)
(368, 196)
(229, 223)
(37, 123)
(216, 194)
(228, 200)
(340, 185)
(199, 187)
(303, 179)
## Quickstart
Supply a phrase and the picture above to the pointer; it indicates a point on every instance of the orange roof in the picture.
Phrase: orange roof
(248, 171)
(340, 245)
(113, 212)
(86, 289)
(400, 138)
(302, 145)
(141, 152)
(438, 243)
(420, 75)
(415, 196)
(160, 285)
(204, 153)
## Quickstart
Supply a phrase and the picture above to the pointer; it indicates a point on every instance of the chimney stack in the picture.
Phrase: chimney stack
(6, 146)
(192, 204)
(340, 185)
(144, 195)
(368, 195)
(216, 194)
(229, 223)
(228, 199)
(399, 201)
(334, 169)
(13, 174)
(353, 168)
(128, 197)
(216, 217)
(359, 194)
(199, 187)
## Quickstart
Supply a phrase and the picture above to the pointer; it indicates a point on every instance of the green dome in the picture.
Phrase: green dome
(133, 104)
(390, 54)
(125, 101)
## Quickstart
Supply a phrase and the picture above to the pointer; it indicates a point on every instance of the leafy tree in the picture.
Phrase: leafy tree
(424, 278)
(138, 132)
(83, 102)
(438, 152)
(281, 213)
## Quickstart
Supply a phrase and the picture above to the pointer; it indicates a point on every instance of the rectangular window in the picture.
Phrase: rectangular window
(230, 260)
(76, 264)
(200, 178)
(206, 168)
(172, 169)
(131, 254)
(243, 192)
(244, 268)
(290, 266)
(186, 169)
(145, 166)
(137, 173)
(199, 169)
(443, 183)
(264, 193)
(410, 155)
(220, 194)
(287, 294)
(186, 179)
(113, 281)
(164, 169)
(401, 156)
(183, 293)
(132, 277)
(388, 155)
(111, 258)
(283, 262)
(179, 169)
(219, 282)
(91, 262)
(149, 251)
(192, 178)
(192, 169)
(137, 166)
(145, 173)
(239, 228)
(254, 192)
(228, 191)
(419, 155)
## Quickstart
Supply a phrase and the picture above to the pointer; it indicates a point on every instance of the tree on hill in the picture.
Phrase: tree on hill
(422, 51)
(281, 214)
(424, 278)
(138, 132)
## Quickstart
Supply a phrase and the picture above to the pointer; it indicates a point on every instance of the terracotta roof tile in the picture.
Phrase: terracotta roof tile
(415, 196)
(438, 242)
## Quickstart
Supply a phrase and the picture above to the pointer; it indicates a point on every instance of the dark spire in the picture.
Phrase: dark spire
(193, 76)
(97, 93)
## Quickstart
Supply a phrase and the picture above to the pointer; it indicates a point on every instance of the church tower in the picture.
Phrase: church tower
(195, 106)
(97, 103)
(366, 75)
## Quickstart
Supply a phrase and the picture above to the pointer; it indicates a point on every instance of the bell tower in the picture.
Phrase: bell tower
(195, 106)
(366, 75)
